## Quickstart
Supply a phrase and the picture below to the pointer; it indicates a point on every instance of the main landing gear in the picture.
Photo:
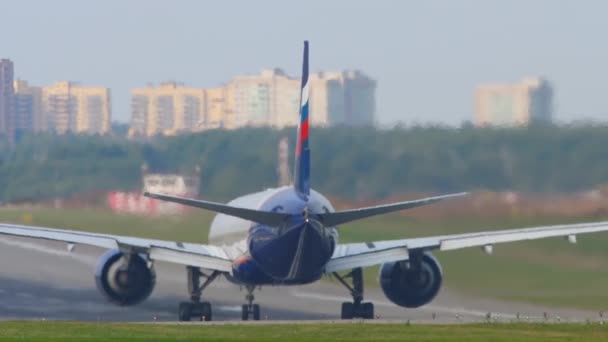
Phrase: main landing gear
(250, 309)
(356, 309)
(196, 308)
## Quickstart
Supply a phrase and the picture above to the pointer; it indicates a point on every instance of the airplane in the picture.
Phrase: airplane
(285, 236)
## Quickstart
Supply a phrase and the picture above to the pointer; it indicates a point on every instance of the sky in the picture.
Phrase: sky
(427, 56)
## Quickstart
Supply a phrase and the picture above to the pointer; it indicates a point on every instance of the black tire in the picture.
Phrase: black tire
(348, 310)
(256, 312)
(206, 311)
(367, 310)
(184, 312)
(245, 312)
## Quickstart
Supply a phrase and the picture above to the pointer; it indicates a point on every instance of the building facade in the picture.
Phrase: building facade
(523, 103)
(168, 109)
(69, 107)
(28, 108)
(7, 99)
(270, 98)
(218, 112)
(342, 98)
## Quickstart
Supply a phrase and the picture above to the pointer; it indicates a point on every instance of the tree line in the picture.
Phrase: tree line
(346, 161)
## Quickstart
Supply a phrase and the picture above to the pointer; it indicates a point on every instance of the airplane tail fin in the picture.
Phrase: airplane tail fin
(302, 162)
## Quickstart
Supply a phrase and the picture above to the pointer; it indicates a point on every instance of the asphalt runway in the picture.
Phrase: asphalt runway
(41, 280)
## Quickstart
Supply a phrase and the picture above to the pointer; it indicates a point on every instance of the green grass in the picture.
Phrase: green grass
(550, 272)
(71, 331)
(193, 227)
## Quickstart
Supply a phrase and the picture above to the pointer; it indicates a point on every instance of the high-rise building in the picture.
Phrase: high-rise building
(28, 108)
(7, 99)
(167, 109)
(270, 98)
(218, 112)
(69, 107)
(346, 97)
(326, 99)
(529, 101)
(359, 98)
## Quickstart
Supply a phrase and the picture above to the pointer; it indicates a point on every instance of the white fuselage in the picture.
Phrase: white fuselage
(232, 231)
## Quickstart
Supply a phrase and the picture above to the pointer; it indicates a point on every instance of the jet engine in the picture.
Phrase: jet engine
(124, 279)
(411, 283)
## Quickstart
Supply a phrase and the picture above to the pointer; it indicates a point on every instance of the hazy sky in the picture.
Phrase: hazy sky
(426, 55)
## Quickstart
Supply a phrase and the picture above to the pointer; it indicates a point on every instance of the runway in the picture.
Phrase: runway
(42, 280)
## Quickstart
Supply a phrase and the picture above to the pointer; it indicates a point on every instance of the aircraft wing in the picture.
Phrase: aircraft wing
(204, 256)
(353, 255)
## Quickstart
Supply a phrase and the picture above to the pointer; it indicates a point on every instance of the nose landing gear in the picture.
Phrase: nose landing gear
(250, 309)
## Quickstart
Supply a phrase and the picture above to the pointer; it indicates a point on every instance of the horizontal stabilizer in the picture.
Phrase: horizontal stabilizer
(262, 217)
(340, 217)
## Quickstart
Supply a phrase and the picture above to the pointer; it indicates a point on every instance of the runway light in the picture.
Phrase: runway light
(488, 249)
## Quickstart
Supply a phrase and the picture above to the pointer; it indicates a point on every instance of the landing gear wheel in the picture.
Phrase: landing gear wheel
(253, 310)
(367, 310)
(245, 312)
(256, 312)
(356, 308)
(205, 311)
(184, 312)
(188, 310)
(195, 308)
(347, 310)
(360, 310)
(250, 309)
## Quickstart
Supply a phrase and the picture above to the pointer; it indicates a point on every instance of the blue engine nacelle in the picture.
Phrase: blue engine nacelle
(124, 283)
(412, 283)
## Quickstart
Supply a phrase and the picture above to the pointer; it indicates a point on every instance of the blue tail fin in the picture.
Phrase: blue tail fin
(302, 167)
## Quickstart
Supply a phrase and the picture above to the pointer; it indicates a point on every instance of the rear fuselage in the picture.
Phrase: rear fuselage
(293, 253)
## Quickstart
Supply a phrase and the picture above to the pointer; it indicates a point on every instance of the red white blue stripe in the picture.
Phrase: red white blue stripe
(302, 167)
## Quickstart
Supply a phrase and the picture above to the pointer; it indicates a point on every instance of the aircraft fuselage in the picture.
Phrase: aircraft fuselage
(293, 253)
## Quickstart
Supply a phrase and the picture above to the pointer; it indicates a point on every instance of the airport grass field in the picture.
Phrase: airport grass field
(550, 272)
(72, 331)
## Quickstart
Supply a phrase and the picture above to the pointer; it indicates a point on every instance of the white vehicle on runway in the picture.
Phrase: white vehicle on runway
(285, 236)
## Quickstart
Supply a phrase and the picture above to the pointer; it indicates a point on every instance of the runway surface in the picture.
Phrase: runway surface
(42, 280)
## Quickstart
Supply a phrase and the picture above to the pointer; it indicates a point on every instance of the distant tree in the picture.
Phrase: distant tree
(346, 161)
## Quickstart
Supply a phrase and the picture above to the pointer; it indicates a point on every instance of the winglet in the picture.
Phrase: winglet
(302, 167)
